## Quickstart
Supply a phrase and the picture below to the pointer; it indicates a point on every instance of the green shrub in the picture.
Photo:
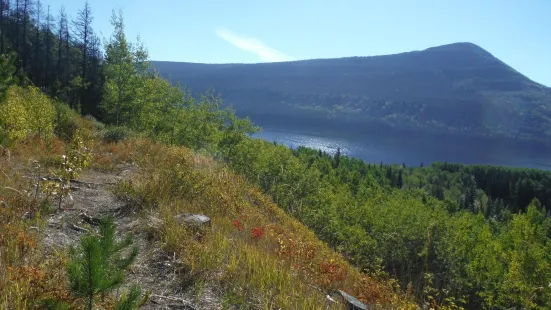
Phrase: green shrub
(116, 134)
(95, 123)
(64, 123)
(26, 111)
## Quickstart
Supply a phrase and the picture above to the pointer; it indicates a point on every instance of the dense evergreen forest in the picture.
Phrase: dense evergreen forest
(471, 236)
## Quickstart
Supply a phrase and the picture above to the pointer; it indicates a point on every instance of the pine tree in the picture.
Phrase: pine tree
(16, 25)
(337, 158)
(83, 33)
(37, 45)
(98, 267)
(62, 53)
(47, 58)
(470, 193)
(120, 75)
(400, 179)
(4, 8)
(94, 80)
(26, 11)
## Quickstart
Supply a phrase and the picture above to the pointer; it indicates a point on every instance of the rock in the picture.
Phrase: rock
(351, 302)
(194, 220)
(154, 223)
(330, 302)
(27, 216)
(54, 224)
(90, 219)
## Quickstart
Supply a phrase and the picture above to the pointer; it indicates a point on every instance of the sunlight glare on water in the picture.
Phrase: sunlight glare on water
(398, 150)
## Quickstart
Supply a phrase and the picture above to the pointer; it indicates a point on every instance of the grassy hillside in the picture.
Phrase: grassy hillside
(253, 255)
(456, 88)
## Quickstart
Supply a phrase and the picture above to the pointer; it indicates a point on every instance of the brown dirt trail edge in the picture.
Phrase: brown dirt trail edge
(154, 270)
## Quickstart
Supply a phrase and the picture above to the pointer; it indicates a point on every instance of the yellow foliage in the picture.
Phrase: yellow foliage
(27, 112)
(14, 117)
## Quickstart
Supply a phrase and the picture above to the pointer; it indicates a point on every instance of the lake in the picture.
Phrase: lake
(395, 149)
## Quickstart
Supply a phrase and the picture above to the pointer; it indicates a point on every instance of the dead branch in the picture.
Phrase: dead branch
(56, 225)
(183, 301)
(89, 219)
(56, 179)
(78, 228)
(15, 190)
(121, 172)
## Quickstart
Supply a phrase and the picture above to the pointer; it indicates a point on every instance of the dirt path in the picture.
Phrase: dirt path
(154, 270)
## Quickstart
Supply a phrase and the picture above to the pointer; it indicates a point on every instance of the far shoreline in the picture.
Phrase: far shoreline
(398, 149)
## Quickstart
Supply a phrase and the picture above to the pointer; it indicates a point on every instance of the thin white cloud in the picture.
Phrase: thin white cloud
(253, 45)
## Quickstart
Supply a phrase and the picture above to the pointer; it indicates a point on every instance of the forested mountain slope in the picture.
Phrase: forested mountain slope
(456, 88)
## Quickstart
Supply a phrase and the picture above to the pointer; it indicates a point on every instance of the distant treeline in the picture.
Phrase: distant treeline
(490, 190)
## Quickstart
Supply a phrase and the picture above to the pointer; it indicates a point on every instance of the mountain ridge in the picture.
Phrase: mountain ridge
(457, 88)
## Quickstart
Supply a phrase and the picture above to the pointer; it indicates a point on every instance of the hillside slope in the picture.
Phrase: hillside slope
(456, 88)
(60, 174)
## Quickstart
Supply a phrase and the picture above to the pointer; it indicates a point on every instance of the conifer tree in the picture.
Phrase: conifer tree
(47, 57)
(26, 10)
(37, 46)
(4, 8)
(97, 265)
(120, 74)
(83, 33)
(337, 158)
(63, 59)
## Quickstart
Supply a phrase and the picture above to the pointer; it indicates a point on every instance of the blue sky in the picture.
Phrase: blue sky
(518, 32)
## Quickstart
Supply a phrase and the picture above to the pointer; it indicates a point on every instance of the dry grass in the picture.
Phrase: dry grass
(26, 275)
(255, 253)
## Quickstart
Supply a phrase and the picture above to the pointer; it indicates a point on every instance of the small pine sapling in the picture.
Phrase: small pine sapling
(131, 300)
(97, 266)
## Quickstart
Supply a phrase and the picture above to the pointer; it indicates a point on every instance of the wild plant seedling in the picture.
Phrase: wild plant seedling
(71, 167)
(36, 169)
